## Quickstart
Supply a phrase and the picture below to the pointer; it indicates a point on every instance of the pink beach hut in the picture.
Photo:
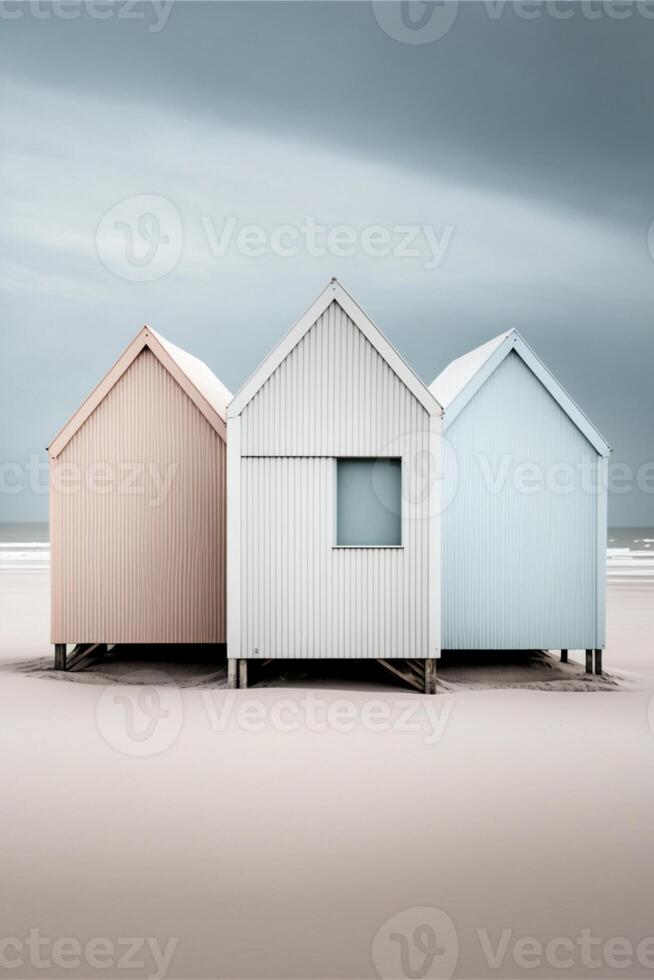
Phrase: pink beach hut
(137, 507)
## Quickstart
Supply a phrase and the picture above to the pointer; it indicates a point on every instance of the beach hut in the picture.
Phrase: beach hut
(137, 506)
(333, 481)
(524, 507)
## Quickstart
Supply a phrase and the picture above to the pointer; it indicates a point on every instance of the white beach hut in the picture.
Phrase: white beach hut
(333, 538)
(524, 507)
(137, 506)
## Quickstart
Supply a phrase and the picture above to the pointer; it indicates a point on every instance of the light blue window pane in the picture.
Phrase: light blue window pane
(369, 502)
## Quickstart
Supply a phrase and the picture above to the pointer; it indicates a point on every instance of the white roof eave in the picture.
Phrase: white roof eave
(334, 292)
(462, 378)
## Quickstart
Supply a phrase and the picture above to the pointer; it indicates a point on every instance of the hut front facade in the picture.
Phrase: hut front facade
(524, 526)
(333, 483)
(137, 506)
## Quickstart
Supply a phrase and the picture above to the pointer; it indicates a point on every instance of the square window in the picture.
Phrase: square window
(368, 502)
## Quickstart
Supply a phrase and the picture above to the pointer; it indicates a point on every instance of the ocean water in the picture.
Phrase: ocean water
(630, 550)
(24, 547)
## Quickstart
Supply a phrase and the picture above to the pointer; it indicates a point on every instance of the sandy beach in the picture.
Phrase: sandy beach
(293, 829)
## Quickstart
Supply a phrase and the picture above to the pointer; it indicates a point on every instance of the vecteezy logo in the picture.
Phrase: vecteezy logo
(140, 239)
(142, 716)
(415, 21)
(426, 459)
(418, 943)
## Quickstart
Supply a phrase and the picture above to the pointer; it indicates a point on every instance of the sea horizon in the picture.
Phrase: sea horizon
(25, 546)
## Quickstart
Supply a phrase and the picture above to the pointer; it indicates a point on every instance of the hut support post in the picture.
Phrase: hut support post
(564, 656)
(232, 673)
(60, 656)
(243, 674)
(598, 661)
(430, 676)
(589, 661)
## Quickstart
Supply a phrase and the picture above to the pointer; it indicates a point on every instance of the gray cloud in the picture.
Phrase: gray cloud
(530, 139)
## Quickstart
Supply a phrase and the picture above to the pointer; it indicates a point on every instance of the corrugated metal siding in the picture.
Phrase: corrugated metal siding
(333, 395)
(125, 569)
(301, 597)
(519, 570)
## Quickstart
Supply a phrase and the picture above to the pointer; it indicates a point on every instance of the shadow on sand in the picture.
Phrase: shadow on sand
(202, 666)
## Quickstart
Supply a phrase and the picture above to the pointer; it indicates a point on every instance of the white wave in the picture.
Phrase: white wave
(24, 544)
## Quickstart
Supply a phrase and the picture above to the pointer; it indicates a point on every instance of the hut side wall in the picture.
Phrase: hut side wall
(300, 596)
(138, 519)
(520, 569)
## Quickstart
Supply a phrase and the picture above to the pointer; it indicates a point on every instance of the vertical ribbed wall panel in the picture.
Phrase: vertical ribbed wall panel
(301, 596)
(133, 562)
(334, 395)
(519, 569)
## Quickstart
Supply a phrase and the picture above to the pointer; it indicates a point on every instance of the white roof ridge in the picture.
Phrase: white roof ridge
(449, 384)
(199, 373)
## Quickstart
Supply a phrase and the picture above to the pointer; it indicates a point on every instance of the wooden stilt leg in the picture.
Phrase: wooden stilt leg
(564, 656)
(243, 674)
(598, 661)
(589, 661)
(430, 676)
(60, 656)
(232, 673)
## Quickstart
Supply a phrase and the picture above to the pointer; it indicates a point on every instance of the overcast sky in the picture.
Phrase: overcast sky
(515, 143)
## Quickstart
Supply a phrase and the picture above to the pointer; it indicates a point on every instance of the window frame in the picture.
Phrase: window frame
(367, 547)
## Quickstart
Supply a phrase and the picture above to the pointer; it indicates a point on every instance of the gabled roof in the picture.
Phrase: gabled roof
(462, 378)
(209, 386)
(201, 385)
(453, 379)
(333, 292)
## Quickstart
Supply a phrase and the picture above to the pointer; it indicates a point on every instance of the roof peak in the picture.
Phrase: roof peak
(334, 291)
(462, 378)
(198, 381)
